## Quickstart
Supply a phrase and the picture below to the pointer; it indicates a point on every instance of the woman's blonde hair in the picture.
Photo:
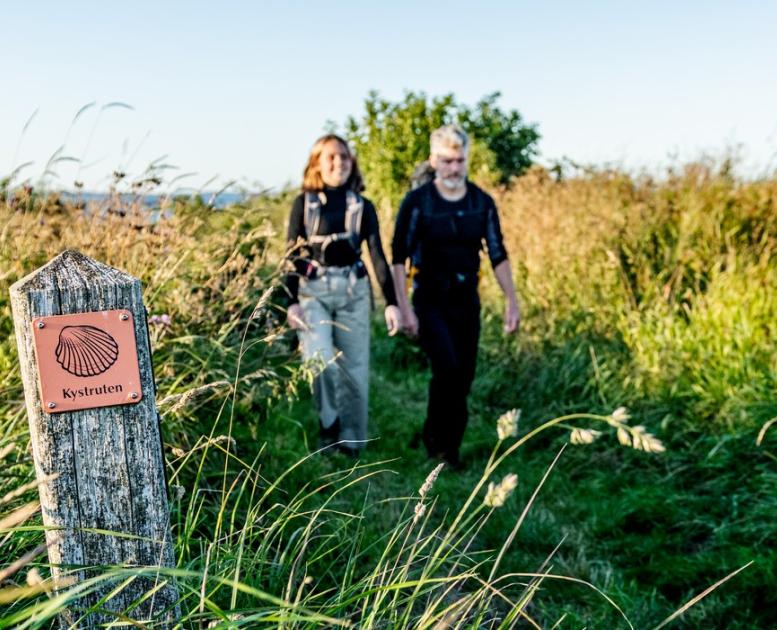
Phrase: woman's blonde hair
(311, 179)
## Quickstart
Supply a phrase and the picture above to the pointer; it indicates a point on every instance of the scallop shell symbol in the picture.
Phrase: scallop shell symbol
(86, 350)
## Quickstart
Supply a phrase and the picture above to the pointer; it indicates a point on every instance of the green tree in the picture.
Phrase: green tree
(511, 142)
(391, 138)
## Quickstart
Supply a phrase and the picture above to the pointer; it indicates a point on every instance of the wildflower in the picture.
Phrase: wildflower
(160, 320)
(430, 479)
(620, 415)
(507, 425)
(584, 436)
(498, 493)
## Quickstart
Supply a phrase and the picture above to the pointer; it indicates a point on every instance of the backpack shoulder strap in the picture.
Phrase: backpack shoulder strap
(426, 202)
(421, 211)
(478, 197)
(354, 211)
(481, 202)
(312, 213)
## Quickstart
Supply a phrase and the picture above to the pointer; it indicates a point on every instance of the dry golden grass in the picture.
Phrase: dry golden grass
(610, 242)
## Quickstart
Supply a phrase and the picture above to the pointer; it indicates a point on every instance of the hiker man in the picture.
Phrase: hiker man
(441, 228)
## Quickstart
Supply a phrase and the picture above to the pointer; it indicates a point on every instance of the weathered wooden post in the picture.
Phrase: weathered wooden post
(89, 387)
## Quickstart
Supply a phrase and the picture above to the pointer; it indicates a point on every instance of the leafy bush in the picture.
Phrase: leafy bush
(391, 138)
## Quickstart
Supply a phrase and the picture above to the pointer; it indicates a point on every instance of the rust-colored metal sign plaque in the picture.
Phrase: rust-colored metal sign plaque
(87, 360)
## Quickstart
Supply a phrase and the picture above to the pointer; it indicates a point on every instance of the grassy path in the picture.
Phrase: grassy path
(650, 530)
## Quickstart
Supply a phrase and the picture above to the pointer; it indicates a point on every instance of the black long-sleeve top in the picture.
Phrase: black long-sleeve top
(450, 234)
(338, 253)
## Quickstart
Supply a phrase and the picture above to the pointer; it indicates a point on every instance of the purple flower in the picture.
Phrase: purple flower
(159, 320)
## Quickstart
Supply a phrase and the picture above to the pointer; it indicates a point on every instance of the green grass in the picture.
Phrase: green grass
(657, 296)
(649, 530)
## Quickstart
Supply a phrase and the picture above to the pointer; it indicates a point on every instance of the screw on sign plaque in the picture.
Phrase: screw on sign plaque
(87, 360)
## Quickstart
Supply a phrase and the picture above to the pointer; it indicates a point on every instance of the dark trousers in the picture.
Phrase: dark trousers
(449, 327)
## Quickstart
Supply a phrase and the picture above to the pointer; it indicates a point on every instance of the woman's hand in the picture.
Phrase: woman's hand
(393, 320)
(295, 317)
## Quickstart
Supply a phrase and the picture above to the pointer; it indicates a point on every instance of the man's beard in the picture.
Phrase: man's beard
(453, 183)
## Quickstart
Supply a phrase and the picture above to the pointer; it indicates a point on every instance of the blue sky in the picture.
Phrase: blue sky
(239, 90)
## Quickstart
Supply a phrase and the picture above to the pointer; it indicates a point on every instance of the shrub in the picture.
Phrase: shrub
(391, 138)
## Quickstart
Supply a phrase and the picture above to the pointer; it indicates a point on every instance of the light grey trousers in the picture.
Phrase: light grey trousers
(337, 336)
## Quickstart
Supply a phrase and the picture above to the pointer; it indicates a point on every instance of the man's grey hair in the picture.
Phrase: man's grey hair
(448, 137)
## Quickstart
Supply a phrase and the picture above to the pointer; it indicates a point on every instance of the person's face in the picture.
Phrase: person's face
(450, 166)
(335, 164)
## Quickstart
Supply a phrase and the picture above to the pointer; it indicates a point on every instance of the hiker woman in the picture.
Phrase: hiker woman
(330, 291)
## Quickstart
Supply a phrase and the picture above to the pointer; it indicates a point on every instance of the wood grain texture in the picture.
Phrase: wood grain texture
(108, 461)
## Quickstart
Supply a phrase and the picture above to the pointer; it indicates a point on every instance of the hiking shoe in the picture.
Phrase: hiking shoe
(454, 462)
(346, 450)
(327, 436)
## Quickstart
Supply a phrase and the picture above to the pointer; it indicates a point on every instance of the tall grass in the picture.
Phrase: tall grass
(652, 294)
(676, 275)
(657, 294)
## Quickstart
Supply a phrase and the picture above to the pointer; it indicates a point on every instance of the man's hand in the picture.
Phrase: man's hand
(410, 322)
(295, 317)
(512, 317)
(504, 276)
(393, 320)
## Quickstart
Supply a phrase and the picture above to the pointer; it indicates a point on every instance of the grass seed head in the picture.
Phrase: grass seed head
(430, 479)
(507, 424)
(499, 493)
(620, 415)
(584, 436)
(419, 511)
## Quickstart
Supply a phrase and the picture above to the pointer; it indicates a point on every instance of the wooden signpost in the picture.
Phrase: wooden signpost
(89, 388)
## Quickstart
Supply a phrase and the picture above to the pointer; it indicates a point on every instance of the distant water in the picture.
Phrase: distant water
(220, 200)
